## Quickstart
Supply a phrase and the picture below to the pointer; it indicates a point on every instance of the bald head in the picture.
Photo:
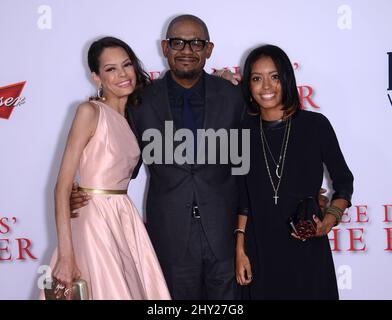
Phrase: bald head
(187, 18)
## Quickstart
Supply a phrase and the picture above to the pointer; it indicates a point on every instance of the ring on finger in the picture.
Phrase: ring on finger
(59, 287)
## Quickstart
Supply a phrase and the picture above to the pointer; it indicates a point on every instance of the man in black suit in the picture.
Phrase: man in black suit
(191, 208)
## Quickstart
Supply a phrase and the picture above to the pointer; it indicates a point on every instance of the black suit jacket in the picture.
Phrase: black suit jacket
(173, 186)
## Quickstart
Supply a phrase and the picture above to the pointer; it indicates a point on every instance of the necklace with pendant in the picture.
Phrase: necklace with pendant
(282, 157)
(277, 163)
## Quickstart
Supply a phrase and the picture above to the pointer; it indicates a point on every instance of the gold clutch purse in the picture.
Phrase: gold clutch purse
(54, 292)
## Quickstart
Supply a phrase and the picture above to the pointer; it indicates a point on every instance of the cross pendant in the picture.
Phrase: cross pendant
(276, 199)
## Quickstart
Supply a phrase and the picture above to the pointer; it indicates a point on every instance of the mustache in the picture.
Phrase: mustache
(187, 57)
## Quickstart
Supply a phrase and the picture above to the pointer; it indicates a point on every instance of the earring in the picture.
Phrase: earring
(100, 94)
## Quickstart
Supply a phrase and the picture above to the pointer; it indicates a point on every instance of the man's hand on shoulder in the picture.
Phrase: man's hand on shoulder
(234, 78)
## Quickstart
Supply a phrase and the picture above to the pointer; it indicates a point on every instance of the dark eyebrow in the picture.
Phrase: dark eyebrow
(197, 38)
(112, 64)
(253, 73)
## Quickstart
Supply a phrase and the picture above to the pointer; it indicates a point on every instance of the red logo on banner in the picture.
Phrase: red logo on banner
(10, 98)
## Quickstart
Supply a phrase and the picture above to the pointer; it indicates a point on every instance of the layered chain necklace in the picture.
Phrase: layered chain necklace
(282, 157)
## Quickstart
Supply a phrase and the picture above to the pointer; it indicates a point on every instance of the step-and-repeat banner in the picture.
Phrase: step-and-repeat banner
(342, 55)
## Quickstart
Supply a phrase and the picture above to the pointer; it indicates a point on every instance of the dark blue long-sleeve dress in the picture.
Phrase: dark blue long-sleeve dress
(284, 267)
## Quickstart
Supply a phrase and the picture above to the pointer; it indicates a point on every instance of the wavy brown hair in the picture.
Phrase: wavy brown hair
(142, 78)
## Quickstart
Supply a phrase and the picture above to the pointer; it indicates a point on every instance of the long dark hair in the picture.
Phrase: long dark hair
(95, 51)
(290, 97)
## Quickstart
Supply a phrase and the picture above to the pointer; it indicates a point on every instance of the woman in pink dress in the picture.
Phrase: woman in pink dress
(107, 245)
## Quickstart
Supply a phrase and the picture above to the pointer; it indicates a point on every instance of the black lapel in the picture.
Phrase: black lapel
(160, 102)
(213, 106)
(214, 102)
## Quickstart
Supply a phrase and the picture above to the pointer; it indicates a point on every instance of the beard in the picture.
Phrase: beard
(188, 75)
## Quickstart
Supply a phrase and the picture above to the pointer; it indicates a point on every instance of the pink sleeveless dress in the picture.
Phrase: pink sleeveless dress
(112, 247)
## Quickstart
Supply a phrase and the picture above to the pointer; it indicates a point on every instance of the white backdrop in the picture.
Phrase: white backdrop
(340, 50)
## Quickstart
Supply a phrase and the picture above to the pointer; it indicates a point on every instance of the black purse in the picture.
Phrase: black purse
(301, 222)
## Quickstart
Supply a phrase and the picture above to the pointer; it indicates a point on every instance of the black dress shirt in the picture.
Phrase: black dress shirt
(196, 101)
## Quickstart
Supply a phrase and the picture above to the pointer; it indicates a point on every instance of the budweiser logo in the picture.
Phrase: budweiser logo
(10, 98)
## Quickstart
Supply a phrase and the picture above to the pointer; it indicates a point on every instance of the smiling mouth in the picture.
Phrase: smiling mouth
(186, 60)
(268, 96)
(124, 84)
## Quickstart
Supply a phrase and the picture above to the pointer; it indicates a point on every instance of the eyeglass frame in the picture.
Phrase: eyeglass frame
(205, 43)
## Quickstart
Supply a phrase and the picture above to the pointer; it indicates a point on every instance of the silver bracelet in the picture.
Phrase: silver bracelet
(239, 231)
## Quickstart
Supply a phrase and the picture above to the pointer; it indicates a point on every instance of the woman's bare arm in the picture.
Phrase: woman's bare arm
(243, 266)
(82, 130)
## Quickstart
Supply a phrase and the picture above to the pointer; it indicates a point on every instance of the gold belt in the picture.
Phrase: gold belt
(102, 191)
